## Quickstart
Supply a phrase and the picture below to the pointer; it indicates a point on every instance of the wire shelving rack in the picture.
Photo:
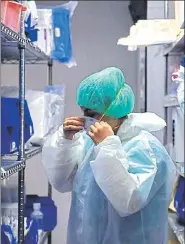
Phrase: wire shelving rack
(15, 48)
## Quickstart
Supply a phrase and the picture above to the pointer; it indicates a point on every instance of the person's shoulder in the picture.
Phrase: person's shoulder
(146, 135)
(146, 140)
(158, 149)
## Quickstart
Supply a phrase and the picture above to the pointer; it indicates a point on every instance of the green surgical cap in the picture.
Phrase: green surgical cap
(106, 92)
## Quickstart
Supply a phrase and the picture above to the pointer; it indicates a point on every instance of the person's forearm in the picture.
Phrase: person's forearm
(111, 171)
(60, 160)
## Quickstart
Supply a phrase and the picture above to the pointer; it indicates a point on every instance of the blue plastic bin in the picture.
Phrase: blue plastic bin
(48, 208)
(10, 125)
(179, 201)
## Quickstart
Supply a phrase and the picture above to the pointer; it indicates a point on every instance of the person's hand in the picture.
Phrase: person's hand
(71, 126)
(100, 131)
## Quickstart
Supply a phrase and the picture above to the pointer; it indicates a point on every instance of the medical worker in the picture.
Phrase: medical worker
(120, 175)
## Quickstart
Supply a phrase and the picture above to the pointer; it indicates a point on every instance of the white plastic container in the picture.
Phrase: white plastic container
(38, 216)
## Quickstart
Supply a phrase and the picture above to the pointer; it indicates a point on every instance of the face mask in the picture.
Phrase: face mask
(88, 122)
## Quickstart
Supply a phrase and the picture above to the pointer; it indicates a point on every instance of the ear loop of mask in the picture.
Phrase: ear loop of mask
(104, 114)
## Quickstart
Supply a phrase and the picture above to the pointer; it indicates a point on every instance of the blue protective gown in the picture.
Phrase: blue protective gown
(121, 188)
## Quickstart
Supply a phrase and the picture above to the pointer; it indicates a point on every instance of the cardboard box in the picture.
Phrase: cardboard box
(173, 242)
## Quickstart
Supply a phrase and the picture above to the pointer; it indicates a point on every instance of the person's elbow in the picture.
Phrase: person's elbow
(59, 182)
(61, 188)
(60, 174)
(131, 206)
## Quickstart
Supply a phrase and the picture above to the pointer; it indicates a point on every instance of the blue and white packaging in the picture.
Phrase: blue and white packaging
(54, 35)
(62, 41)
(9, 221)
(31, 15)
(46, 109)
(45, 37)
(31, 20)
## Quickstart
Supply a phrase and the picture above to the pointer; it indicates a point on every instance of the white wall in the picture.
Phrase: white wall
(156, 66)
(155, 69)
(97, 25)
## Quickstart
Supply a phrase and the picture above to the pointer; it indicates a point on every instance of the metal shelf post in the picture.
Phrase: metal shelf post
(50, 82)
(166, 15)
(50, 73)
(21, 174)
(18, 49)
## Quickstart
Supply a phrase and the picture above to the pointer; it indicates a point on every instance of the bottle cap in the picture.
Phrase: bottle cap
(36, 206)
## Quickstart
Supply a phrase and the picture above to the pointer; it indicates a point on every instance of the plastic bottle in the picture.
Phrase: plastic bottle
(37, 217)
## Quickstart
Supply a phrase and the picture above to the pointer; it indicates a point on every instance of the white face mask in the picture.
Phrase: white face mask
(88, 122)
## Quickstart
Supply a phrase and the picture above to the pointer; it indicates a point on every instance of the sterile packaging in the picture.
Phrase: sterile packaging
(9, 224)
(46, 110)
(61, 23)
(31, 21)
(9, 191)
(31, 15)
(53, 109)
(54, 35)
(45, 37)
(9, 220)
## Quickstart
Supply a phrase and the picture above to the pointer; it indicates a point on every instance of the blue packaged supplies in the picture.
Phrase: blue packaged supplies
(32, 235)
(31, 31)
(6, 229)
(61, 22)
(48, 209)
(182, 62)
(31, 21)
(179, 201)
(4, 237)
(10, 125)
(33, 35)
(61, 32)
